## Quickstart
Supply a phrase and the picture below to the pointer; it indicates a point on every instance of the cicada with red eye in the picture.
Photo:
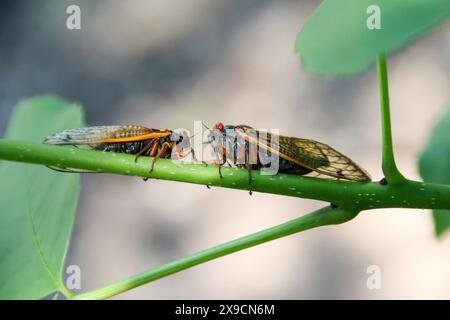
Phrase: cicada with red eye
(245, 147)
(130, 139)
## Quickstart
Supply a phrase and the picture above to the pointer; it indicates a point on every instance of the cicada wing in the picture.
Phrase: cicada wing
(98, 138)
(70, 170)
(328, 161)
(309, 154)
(97, 135)
(60, 168)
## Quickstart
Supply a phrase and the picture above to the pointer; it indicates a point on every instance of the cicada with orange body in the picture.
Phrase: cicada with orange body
(130, 139)
(245, 147)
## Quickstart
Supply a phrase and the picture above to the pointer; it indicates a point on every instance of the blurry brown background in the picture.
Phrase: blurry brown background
(164, 64)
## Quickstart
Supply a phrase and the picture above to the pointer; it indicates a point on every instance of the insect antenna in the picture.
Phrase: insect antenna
(205, 126)
(192, 137)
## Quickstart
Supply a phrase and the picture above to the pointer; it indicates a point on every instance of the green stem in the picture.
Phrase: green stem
(66, 292)
(350, 195)
(390, 170)
(321, 217)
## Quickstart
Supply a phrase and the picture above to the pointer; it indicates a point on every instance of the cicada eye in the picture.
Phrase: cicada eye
(219, 126)
(175, 136)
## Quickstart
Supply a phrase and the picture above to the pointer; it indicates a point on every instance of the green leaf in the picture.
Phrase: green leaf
(336, 40)
(434, 166)
(37, 204)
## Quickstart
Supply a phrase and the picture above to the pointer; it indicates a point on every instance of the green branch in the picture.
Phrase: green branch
(349, 195)
(321, 217)
(392, 174)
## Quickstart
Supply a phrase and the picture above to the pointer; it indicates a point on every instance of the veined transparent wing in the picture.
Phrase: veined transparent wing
(310, 154)
(99, 134)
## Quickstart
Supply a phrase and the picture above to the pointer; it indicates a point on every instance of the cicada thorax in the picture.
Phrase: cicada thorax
(254, 149)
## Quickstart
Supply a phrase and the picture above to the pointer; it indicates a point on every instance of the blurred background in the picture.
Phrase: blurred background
(164, 64)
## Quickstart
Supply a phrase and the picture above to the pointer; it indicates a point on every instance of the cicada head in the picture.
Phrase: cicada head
(219, 127)
(182, 140)
(176, 137)
(216, 135)
(224, 135)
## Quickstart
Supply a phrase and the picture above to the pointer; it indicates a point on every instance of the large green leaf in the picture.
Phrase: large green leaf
(37, 205)
(434, 166)
(336, 40)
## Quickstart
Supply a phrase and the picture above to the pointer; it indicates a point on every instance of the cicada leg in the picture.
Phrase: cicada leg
(152, 144)
(163, 151)
(248, 165)
(218, 161)
(220, 171)
(185, 153)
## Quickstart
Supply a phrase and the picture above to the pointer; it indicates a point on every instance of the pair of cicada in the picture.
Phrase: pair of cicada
(240, 146)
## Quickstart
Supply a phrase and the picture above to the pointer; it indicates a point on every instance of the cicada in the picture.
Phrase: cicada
(245, 147)
(130, 139)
